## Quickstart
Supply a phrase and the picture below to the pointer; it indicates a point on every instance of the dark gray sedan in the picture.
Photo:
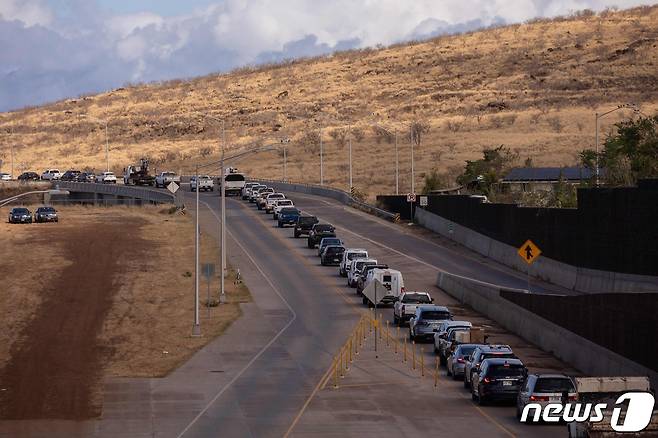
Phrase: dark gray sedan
(20, 215)
(46, 214)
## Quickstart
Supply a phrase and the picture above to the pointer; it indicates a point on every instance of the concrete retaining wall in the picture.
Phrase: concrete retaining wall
(552, 271)
(588, 357)
(119, 191)
(328, 192)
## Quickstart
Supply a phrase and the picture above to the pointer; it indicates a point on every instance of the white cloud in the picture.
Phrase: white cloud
(54, 55)
(30, 12)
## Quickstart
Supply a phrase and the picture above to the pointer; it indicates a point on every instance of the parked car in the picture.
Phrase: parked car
(355, 269)
(484, 352)
(262, 195)
(497, 379)
(20, 215)
(304, 225)
(457, 360)
(205, 183)
(405, 307)
(256, 191)
(29, 176)
(278, 205)
(318, 232)
(51, 174)
(70, 175)
(544, 389)
(270, 200)
(288, 216)
(45, 214)
(85, 177)
(5, 176)
(387, 286)
(348, 256)
(246, 191)
(326, 241)
(443, 338)
(166, 178)
(362, 276)
(425, 320)
(106, 178)
(332, 255)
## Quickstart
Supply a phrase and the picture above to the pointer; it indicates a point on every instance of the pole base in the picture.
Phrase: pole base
(222, 298)
(196, 331)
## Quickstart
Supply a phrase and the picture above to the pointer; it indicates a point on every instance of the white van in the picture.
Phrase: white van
(355, 269)
(382, 286)
(349, 255)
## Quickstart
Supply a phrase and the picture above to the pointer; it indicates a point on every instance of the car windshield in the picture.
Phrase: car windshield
(435, 315)
(307, 220)
(168, 174)
(324, 228)
(234, 177)
(356, 255)
(335, 250)
(21, 210)
(508, 370)
(506, 355)
(289, 210)
(416, 299)
(554, 384)
(47, 209)
(466, 351)
(326, 242)
(285, 202)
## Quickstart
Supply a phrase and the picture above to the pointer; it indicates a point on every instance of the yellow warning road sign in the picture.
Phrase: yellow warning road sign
(529, 251)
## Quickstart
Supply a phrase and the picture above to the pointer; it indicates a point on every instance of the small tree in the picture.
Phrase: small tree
(418, 129)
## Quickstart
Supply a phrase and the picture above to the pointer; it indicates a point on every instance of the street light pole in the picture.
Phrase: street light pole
(413, 178)
(350, 153)
(285, 165)
(107, 150)
(196, 328)
(597, 117)
(397, 166)
(222, 296)
(321, 160)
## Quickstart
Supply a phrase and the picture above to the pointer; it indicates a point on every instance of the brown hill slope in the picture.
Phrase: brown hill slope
(534, 87)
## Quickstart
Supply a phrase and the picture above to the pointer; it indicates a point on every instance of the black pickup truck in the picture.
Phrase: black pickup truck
(304, 225)
(319, 232)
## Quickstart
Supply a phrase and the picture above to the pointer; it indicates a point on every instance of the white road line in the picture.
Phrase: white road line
(262, 350)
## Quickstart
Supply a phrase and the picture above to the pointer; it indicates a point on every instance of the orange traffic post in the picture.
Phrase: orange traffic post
(336, 373)
(387, 333)
(422, 361)
(405, 350)
(356, 344)
(380, 324)
(342, 374)
(413, 355)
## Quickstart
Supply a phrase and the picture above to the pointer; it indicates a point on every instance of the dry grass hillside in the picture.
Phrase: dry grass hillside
(534, 87)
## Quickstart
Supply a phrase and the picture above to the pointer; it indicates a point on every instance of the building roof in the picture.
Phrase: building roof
(520, 174)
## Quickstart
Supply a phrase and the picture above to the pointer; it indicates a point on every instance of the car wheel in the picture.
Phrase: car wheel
(396, 320)
(296, 234)
(364, 300)
(466, 384)
(442, 359)
(473, 396)
(518, 412)
(448, 372)
(280, 225)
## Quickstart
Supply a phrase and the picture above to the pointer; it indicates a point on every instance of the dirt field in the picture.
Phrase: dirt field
(105, 292)
(533, 87)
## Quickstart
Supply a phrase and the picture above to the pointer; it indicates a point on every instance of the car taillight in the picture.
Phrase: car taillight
(487, 380)
(573, 397)
(538, 398)
(460, 360)
(402, 289)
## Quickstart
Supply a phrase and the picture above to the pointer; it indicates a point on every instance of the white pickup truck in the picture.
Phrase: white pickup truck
(166, 178)
(51, 174)
(205, 183)
(405, 307)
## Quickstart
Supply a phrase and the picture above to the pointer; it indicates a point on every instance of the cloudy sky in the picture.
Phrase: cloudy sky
(52, 49)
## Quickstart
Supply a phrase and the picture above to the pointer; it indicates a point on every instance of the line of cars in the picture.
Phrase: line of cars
(491, 372)
(22, 215)
(69, 175)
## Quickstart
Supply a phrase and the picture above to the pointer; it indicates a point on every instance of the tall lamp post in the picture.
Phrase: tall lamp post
(397, 161)
(284, 141)
(597, 117)
(107, 141)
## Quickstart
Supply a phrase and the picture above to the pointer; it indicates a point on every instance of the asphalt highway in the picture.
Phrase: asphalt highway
(316, 312)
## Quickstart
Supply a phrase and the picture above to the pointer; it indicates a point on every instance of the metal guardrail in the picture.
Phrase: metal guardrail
(143, 193)
(330, 192)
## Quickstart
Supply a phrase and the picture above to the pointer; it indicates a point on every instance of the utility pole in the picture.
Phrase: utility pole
(222, 296)
(413, 183)
(107, 150)
(285, 165)
(321, 158)
(397, 166)
(350, 153)
(196, 328)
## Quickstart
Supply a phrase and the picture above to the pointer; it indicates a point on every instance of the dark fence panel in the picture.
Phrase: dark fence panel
(624, 323)
(397, 204)
(613, 229)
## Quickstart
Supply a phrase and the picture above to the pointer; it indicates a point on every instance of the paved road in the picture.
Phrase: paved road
(271, 394)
